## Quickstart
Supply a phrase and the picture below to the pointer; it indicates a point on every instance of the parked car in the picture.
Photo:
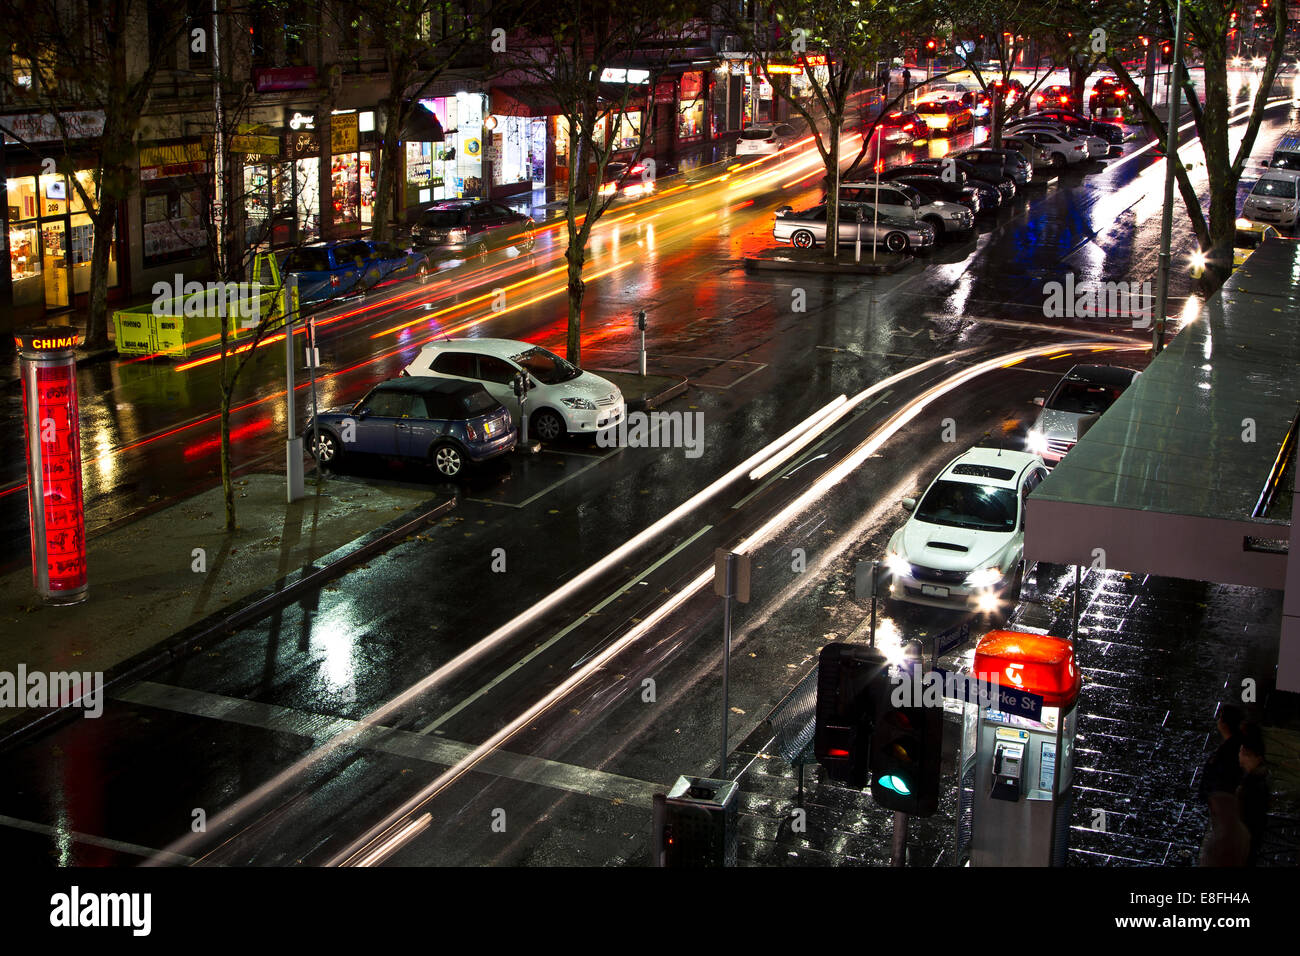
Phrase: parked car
(329, 270)
(1060, 150)
(1038, 155)
(1112, 133)
(765, 140)
(1054, 97)
(562, 398)
(1096, 147)
(1286, 155)
(1107, 94)
(1004, 163)
(446, 423)
(946, 115)
(1247, 239)
(806, 229)
(1274, 199)
(901, 202)
(459, 228)
(1084, 391)
(976, 196)
(963, 545)
(966, 172)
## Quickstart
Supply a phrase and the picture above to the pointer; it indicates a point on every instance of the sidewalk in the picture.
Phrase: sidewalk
(1158, 656)
(173, 577)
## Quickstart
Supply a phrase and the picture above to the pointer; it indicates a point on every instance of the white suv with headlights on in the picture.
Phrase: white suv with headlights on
(963, 546)
(563, 398)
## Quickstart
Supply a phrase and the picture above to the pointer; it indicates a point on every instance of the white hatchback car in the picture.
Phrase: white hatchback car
(765, 140)
(563, 399)
(1097, 148)
(1274, 199)
(963, 547)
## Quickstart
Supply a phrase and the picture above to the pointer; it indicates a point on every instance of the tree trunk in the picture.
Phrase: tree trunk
(1222, 179)
(97, 321)
(227, 486)
(385, 192)
(576, 254)
(833, 194)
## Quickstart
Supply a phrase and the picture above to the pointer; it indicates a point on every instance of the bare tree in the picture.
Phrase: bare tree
(91, 55)
(594, 59)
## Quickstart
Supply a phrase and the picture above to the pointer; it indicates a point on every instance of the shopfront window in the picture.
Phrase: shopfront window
(367, 189)
(453, 168)
(690, 108)
(346, 185)
(51, 240)
(628, 135)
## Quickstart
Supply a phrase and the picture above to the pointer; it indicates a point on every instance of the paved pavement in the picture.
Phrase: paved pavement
(1157, 655)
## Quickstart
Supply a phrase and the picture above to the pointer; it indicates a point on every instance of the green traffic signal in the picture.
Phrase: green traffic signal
(896, 784)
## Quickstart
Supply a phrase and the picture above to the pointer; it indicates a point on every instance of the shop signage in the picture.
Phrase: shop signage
(45, 128)
(181, 159)
(343, 133)
(666, 92)
(301, 144)
(260, 144)
(270, 79)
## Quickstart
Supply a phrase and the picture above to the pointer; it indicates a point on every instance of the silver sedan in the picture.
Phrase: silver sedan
(807, 229)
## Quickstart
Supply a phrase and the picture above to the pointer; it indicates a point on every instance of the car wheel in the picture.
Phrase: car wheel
(529, 240)
(448, 460)
(936, 224)
(422, 273)
(1059, 161)
(547, 425)
(328, 450)
(479, 250)
(803, 239)
(896, 242)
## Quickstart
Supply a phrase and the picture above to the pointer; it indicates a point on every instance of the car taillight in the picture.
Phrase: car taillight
(1120, 94)
(909, 127)
(334, 280)
(471, 431)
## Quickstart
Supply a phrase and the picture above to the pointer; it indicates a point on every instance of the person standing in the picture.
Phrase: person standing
(907, 79)
(1252, 792)
(1222, 771)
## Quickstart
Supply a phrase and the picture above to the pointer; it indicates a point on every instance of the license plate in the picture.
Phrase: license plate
(932, 591)
(490, 428)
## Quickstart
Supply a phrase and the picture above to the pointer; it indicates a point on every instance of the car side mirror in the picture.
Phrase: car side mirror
(909, 504)
(1040, 401)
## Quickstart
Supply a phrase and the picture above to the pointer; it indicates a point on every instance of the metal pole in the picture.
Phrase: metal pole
(898, 855)
(1167, 214)
(292, 442)
(875, 576)
(875, 206)
(314, 361)
(726, 654)
(1074, 611)
(218, 150)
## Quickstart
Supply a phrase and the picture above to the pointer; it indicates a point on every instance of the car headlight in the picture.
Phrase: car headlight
(580, 403)
(1036, 442)
(984, 577)
(896, 564)
(956, 216)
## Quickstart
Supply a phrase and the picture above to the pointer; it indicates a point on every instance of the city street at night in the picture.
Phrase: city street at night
(566, 501)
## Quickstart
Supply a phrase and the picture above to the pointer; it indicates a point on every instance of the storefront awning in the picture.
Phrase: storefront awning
(422, 126)
(525, 101)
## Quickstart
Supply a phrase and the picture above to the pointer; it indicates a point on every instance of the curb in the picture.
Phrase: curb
(244, 611)
(647, 402)
(826, 268)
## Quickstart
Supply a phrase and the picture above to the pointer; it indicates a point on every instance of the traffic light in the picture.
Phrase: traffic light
(1166, 52)
(931, 47)
(852, 684)
(906, 749)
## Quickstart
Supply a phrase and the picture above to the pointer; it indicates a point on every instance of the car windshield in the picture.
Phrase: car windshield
(442, 218)
(1084, 398)
(1286, 161)
(756, 133)
(1281, 188)
(547, 367)
(307, 260)
(960, 504)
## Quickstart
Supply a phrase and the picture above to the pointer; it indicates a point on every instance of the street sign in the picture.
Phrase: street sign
(972, 690)
(953, 637)
(738, 586)
(863, 580)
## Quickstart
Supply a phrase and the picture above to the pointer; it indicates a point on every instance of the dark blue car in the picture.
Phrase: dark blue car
(446, 422)
(329, 270)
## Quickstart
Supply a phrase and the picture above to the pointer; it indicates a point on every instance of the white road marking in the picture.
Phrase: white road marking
(119, 846)
(401, 743)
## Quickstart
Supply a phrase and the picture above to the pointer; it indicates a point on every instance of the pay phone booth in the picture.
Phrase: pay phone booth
(1021, 798)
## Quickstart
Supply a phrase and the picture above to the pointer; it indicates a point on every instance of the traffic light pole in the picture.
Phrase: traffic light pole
(898, 856)
(1167, 214)
(729, 587)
